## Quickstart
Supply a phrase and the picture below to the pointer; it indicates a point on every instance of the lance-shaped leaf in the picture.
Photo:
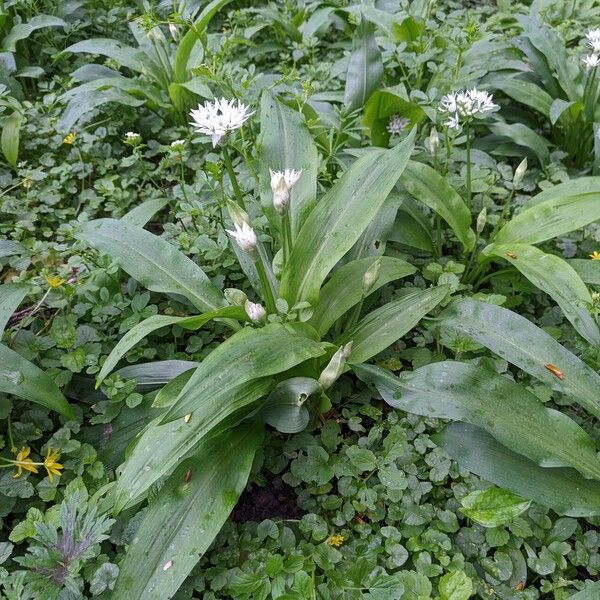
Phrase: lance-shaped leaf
(523, 136)
(387, 324)
(22, 378)
(22, 31)
(187, 514)
(11, 295)
(525, 92)
(558, 279)
(588, 270)
(590, 593)
(427, 186)
(155, 374)
(153, 261)
(554, 212)
(482, 397)
(520, 342)
(345, 288)
(125, 55)
(339, 218)
(159, 449)
(249, 354)
(286, 143)
(365, 69)
(10, 137)
(147, 326)
(284, 407)
(563, 490)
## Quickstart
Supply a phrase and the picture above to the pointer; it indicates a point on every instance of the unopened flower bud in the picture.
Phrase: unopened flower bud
(434, 141)
(335, 367)
(370, 277)
(281, 184)
(520, 173)
(235, 297)
(255, 311)
(173, 31)
(481, 220)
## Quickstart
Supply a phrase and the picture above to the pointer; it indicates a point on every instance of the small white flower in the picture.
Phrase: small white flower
(219, 117)
(593, 39)
(245, 238)
(133, 138)
(453, 122)
(281, 184)
(397, 124)
(178, 145)
(591, 61)
(465, 106)
(255, 311)
(173, 31)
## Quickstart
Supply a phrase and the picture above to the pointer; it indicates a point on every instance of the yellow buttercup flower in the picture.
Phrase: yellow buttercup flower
(51, 463)
(595, 255)
(69, 138)
(54, 281)
(336, 540)
(23, 462)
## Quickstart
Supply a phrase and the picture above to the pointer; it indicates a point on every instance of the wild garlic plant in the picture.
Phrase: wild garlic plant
(284, 351)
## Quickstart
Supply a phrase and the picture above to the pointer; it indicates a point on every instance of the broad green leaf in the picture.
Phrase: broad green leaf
(284, 407)
(590, 593)
(22, 378)
(587, 269)
(365, 69)
(22, 31)
(147, 326)
(155, 374)
(11, 295)
(520, 342)
(554, 212)
(562, 490)
(182, 521)
(125, 55)
(189, 40)
(11, 132)
(455, 585)
(339, 218)
(387, 324)
(426, 185)
(143, 212)
(482, 397)
(286, 143)
(10, 248)
(249, 354)
(153, 261)
(523, 136)
(382, 105)
(527, 93)
(493, 507)
(539, 65)
(558, 279)
(159, 449)
(169, 393)
(412, 227)
(558, 107)
(345, 287)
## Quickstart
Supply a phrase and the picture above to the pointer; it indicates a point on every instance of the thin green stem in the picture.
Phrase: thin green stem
(286, 234)
(233, 178)
(266, 286)
(469, 192)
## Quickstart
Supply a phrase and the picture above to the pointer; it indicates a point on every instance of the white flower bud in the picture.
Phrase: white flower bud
(481, 220)
(370, 277)
(335, 367)
(255, 311)
(281, 184)
(434, 141)
(173, 31)
(520, 172)
(245, 238)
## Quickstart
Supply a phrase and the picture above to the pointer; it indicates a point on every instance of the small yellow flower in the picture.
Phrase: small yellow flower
(336, 540)
(50, 463)
(54, 281)
(23, 462)
(69, 138)
(595, 255)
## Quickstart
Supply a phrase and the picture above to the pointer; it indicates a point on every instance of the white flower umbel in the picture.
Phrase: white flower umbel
(133, 138)
(591, 61)
(219, 117)
(178, 145)
(281, 184)
(463, 107)
(397, 124)
(255, 311)
(245, 238)
(593, 40)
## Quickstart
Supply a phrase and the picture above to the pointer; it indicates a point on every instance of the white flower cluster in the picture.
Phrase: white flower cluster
(219, 117)
(593, 39)
(397, 124)
(245, 238)
(281, 184)
(463, 107)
